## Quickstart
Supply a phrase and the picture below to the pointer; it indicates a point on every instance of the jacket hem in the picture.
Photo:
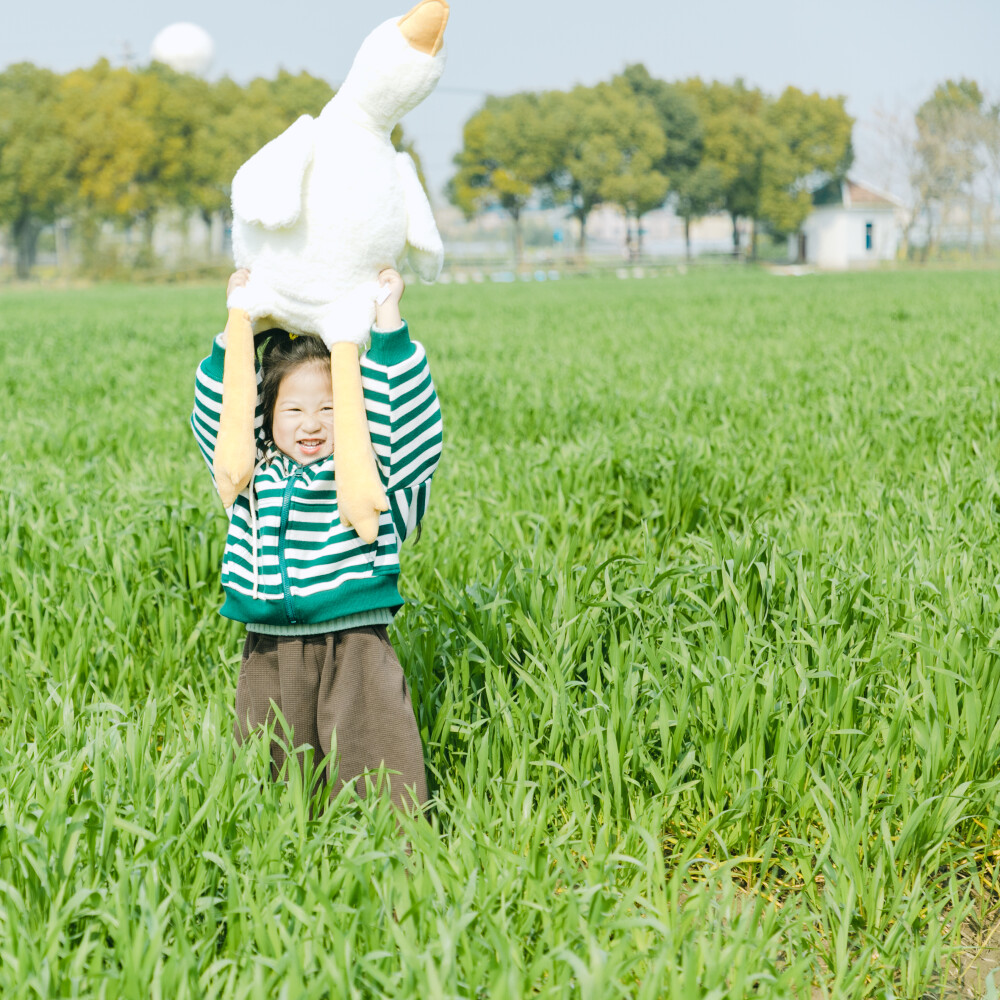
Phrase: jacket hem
(350, 598)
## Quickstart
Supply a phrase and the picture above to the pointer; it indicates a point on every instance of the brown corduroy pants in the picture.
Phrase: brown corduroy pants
(347, 683)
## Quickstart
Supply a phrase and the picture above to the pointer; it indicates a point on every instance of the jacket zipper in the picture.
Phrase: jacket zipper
(286, 503)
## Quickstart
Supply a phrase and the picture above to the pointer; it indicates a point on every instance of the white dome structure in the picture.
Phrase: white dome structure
(184, 47)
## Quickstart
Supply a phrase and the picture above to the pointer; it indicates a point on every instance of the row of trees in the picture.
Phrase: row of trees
(636, 141)
(113, 144)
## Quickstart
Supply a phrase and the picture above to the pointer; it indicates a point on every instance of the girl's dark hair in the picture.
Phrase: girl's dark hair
(280, 353)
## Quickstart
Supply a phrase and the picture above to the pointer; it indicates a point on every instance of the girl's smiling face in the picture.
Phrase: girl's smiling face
(302, 425)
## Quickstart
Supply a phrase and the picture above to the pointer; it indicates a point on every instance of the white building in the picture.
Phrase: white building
(851, 225)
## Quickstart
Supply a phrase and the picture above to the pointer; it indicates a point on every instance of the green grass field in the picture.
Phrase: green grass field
(702, 634)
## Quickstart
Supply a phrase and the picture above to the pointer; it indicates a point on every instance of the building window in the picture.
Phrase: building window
(868, 236)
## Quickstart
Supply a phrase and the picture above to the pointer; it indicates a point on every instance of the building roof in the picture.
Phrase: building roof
(852, 194)
(860, 194)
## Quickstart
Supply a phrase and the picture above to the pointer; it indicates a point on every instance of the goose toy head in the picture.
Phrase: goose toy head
(397, 66)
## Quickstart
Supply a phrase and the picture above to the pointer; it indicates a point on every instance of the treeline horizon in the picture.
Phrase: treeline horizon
(639, 143)
(635, 141)
(120, 145)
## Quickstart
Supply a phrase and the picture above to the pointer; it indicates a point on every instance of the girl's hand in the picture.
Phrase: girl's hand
(237, 280)
(387, 316)
(394, 280)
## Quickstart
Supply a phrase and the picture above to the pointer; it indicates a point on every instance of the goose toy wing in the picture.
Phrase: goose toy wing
(267, 189)
(423, 241)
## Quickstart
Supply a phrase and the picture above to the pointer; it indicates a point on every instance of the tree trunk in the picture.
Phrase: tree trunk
(581, 243)
(736, 236)
(968, 232)
(26, 231)
(638, 236)
(87, 233)
(518, 239)
(904, 245)
(687, 237)
(216, 235)
(753, 239)
(631, 237)
(185, 234)
(988, 225)
(62, 246)
(145, 257)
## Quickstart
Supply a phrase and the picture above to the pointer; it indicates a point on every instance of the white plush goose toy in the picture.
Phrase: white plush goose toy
(317, 214)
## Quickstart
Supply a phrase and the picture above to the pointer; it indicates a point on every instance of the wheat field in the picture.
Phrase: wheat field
(701, 631)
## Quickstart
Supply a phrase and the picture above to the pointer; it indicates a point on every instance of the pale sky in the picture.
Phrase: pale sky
(880, 54)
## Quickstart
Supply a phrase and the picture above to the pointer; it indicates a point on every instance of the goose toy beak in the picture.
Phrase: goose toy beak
(423, 27)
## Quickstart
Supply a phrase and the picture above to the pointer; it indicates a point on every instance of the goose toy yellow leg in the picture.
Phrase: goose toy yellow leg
(360, 495)
(235, 448)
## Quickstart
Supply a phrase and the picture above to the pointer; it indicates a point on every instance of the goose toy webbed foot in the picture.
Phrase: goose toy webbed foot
(360, 495)
(236, 445)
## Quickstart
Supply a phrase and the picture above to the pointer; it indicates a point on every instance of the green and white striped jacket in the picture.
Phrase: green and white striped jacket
(289, 564)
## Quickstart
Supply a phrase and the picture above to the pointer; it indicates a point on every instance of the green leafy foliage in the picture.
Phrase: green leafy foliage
(577, 182)
(35, 157)
(631, 141)
(628, 141)
(112, 144)
(609, 146)
(736, 139)
(702, 636)
(765, 156)
(695, 183)
(813, 146)
(506, 154)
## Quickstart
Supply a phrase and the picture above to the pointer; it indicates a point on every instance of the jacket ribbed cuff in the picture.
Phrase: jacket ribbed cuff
(215, 363)
(391, 347)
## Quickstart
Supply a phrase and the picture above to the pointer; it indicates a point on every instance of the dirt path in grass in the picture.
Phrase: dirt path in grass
(979, 957)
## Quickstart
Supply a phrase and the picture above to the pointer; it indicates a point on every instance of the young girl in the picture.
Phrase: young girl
(315, 598)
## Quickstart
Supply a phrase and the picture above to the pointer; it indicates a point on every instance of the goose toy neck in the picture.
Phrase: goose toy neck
(389, 78)
(341, 111)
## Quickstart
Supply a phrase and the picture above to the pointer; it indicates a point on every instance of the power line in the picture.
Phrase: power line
(478, 91)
